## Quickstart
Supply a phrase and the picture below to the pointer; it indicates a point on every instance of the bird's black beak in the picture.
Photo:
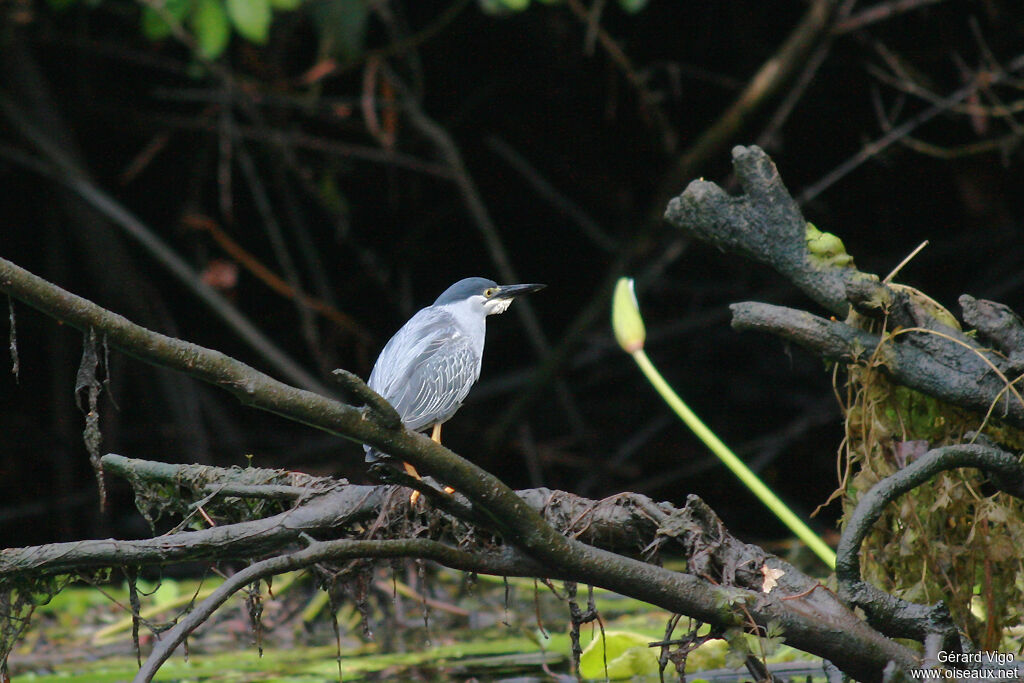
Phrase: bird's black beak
(512, 291)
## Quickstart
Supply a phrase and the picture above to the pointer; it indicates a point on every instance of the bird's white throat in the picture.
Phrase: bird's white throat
(495, 306)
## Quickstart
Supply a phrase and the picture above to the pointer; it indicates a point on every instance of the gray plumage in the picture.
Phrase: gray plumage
(427, 369)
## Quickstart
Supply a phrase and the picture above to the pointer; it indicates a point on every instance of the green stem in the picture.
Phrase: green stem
(795, 524)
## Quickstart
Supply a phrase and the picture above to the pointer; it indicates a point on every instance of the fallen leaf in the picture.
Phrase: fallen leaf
(771, 578)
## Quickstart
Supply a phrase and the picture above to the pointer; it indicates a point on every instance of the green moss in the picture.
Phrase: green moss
(934, 543)
(826, 250)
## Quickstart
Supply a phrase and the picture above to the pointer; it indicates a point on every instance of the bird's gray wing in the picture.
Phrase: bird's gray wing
(427, 369)
(440, 380)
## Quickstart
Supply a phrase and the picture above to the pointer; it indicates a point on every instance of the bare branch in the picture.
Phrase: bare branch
(941, 105)
(650, 104)
(998, 323)
(944, 369)
(879, 12)
(384, 411)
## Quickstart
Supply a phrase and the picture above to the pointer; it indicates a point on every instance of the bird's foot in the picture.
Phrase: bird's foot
(386, 473)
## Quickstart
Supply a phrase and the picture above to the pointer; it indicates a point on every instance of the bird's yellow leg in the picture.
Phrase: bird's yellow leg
(411, 471)
(435, 435)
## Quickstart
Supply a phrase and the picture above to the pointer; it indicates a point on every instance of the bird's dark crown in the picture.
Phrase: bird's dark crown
(463, 289)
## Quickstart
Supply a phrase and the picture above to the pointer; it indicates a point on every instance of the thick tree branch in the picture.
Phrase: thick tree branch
(765, 225)
(383, 410)
(946, 369)
(999, 324)
(224, 542)
(891, 327)
(630, 523)
(855, 647)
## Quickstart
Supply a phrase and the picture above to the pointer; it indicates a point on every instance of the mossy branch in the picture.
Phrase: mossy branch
(893, 616)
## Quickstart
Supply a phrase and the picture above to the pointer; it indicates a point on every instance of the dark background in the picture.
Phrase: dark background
(147, 123)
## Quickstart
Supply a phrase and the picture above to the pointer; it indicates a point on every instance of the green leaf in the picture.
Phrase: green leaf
(251, 18)
(154, 26)
(632, 6)
(285, 5)
(211, 27)
(627, 653)
(709, 655)
(516, 5)
(739, 648)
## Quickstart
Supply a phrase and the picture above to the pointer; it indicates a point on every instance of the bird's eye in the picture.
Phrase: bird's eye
(489, 292)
